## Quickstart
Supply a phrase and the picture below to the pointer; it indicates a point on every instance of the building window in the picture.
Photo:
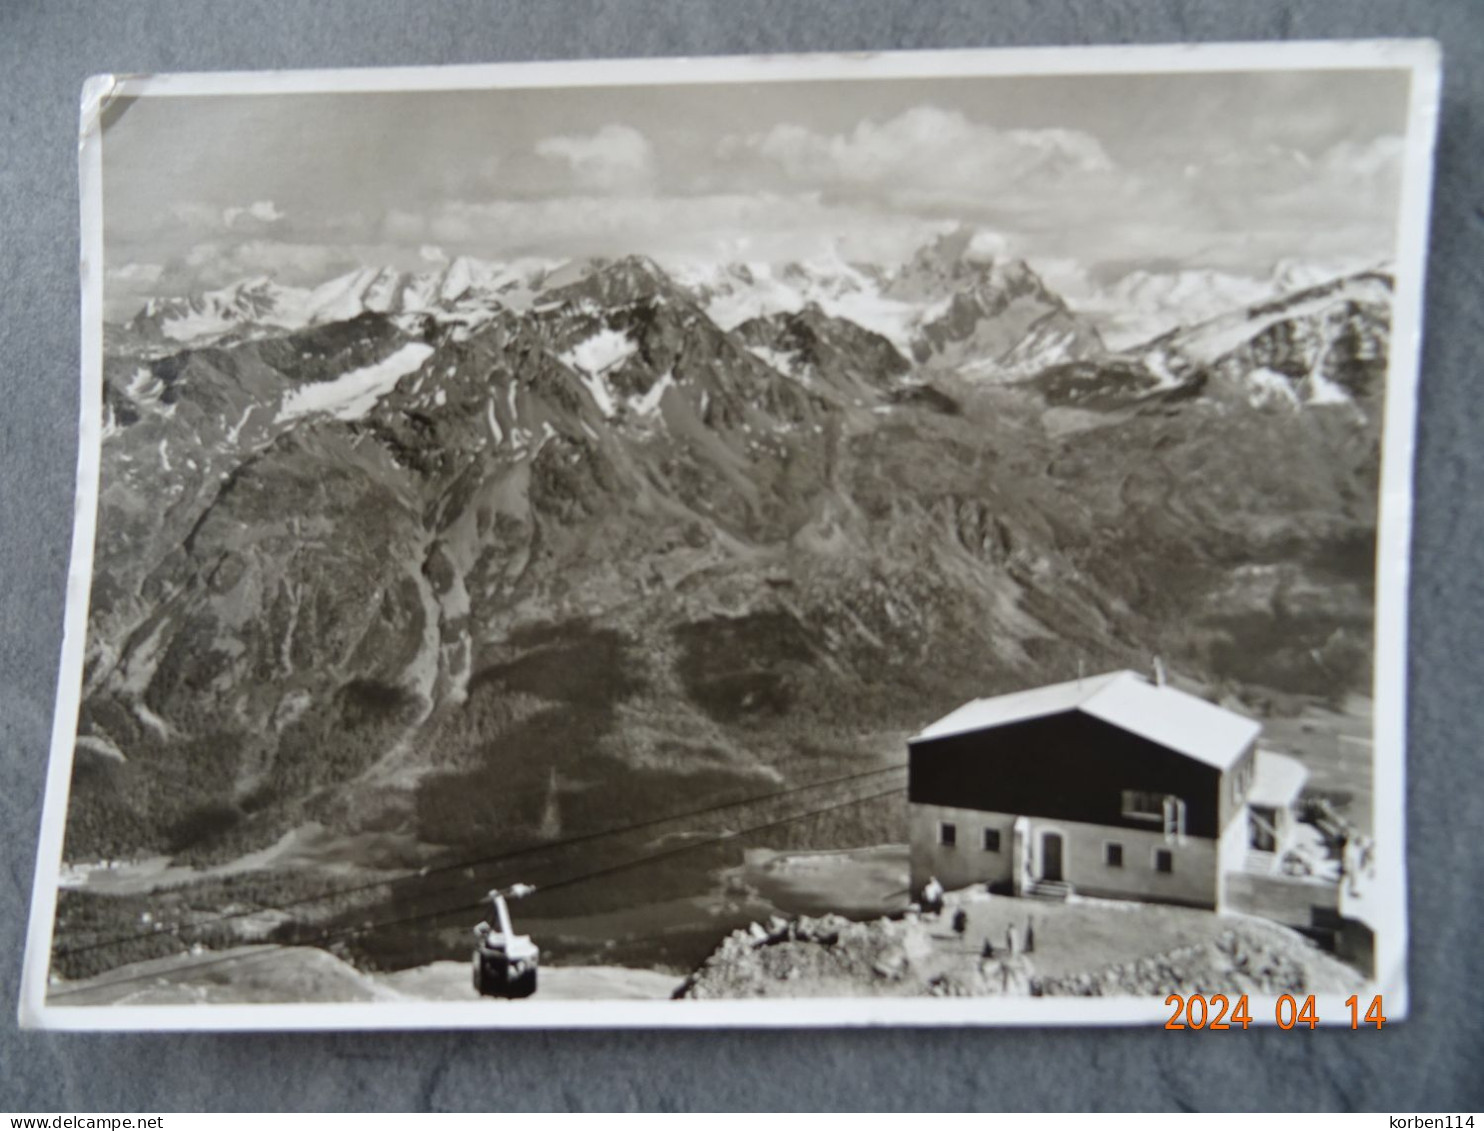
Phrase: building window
(1174, 818)
(1164, 808)
(1143, 805)
(1164, 860)
(991, 840)
(947, 834)
(1113, 855)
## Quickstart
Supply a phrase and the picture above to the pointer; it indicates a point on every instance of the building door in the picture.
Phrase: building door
(1262, 829)
(1051, 856)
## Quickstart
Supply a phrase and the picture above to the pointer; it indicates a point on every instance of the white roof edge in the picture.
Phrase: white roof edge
(1277, 779)
(1160, 713)
(1017, 706)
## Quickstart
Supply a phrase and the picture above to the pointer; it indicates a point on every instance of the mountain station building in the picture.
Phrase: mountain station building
(1114, 786)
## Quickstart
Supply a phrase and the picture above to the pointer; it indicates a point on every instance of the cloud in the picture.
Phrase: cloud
(615, 159)
(1277, 203)
(1348, 175)
(874, 191)
(135, 272)
(260, 212)
(216, 263)
(127, 286)
(1380, 158)
(765, 226)
(922, 154)
(1058, 193)
(198, 220)
(219, 263)
(986, 246)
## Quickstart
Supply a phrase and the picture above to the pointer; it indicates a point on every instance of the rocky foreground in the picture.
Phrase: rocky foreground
(916, 956)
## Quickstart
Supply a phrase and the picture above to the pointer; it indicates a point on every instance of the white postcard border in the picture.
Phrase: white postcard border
(1420, 57)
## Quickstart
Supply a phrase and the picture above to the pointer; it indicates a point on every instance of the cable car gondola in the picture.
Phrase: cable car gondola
(504, 962)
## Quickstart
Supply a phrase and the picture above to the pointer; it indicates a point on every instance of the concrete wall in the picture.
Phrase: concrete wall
(1355, 943)
(1231, 854)
(1232, 803)
(1296, 903)
(1285, 826)
(967, 862)
(1194, 880)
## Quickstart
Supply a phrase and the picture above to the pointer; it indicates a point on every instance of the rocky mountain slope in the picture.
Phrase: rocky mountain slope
(443, 557)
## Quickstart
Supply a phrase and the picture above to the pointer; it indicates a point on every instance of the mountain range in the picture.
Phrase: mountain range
(435, 556)
(915, 306)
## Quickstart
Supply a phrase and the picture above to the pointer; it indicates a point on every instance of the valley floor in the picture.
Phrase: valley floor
(1337, 749)
(807, 949)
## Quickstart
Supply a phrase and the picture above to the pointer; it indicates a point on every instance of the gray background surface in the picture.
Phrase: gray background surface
(1433, 1062)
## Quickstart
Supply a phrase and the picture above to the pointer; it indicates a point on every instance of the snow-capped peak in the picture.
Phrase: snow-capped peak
(464, 290)
(258, 300)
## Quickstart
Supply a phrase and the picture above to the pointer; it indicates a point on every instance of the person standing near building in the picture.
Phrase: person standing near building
(932, 896)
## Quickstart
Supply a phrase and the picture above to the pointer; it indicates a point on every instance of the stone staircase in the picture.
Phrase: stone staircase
(1050, 890)
(1260, 863)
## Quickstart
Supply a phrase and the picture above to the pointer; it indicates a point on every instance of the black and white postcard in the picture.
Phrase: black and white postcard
(897, 539)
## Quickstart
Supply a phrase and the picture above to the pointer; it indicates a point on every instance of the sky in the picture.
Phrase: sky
(1087, 176)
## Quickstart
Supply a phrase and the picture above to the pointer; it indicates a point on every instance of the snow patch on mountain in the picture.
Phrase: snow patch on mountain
(649, 402)
(601, 352)
(352, 395)
(734, 293)
(1041, 350)
(1323, 391)
(1217, 337)
(1157, 361)
(144, 388)
(1323, 346)
(1270, 387)
(345, 297)
(216, 313)
(776, 359)
(466, 292)
(894, 320)
(101, 747)
(236, 430)
(593, 357)
(1142, 305)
